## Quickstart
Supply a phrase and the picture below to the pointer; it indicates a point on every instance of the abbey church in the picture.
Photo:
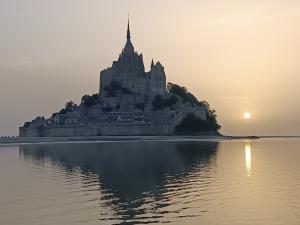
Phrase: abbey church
(130, 101)
(129, 73)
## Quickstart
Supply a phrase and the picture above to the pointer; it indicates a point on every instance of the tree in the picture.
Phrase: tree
(212, 119)
(176, 89)
(183, 93)
(160, 103)
(189, 97)
(89, 101)
(192, 124)
(69, 105)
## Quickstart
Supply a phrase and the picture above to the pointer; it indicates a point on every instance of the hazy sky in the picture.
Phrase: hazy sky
(238, 55)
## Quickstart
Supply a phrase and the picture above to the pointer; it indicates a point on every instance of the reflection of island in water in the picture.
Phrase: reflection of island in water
(133, 171)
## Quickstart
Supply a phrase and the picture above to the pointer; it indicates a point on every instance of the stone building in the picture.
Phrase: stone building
(128, 74)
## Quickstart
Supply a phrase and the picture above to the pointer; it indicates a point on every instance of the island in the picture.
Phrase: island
(130, 102)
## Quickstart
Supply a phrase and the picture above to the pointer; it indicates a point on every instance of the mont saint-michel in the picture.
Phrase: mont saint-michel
(130, 101)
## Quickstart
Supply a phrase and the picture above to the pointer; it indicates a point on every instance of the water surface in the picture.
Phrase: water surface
(151, 182)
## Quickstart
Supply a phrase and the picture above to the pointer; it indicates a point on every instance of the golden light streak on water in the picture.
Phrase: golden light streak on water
(248, 159)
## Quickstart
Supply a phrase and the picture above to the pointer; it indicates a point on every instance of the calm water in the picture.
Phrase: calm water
(233, 182)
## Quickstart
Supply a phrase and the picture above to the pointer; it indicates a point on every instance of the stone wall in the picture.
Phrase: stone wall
(94, 130)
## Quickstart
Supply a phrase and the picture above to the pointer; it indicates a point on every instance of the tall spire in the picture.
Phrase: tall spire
(128, 46)
(128, 30)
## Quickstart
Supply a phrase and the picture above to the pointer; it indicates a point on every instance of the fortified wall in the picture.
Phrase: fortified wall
(94, 130)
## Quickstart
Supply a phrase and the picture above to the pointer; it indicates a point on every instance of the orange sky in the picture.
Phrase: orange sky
(238, 55)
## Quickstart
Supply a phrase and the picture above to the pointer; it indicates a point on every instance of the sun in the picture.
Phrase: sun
(247, 115)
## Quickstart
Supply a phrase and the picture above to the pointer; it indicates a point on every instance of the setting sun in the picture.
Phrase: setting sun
(247, 115)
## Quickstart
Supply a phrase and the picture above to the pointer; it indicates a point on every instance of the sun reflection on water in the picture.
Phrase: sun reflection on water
(248, 159)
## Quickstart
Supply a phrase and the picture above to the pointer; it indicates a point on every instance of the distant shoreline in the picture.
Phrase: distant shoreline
(91, 139)
(42, 140)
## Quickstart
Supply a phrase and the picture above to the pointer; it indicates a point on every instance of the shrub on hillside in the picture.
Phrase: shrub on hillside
(192, 124)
